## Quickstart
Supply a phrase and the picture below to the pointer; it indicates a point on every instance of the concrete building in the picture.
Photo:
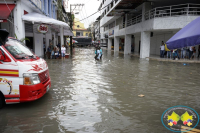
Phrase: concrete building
(79, 29)
(35, 20)
(141, 25)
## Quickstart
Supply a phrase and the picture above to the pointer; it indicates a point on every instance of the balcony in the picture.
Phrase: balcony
(134, 20)
(166, 11)
(173, 11)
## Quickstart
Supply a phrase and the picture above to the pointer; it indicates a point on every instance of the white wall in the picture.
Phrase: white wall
(137, 39)
(38, 44)
(38, 40)
(164, 23)
(156, 41)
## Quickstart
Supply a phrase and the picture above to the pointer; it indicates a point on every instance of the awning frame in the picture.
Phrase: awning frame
(42, 19)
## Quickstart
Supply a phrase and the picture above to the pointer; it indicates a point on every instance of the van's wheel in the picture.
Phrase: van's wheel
(2, 100)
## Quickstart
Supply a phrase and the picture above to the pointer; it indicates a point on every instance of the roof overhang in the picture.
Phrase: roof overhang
(39, 18)
(5, 10)
(124, 6)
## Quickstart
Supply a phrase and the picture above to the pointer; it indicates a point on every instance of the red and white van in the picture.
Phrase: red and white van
(23, 75)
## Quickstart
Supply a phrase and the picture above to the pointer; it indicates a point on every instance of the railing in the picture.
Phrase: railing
(121, 26)
(134, 20)
(174, 10)
(166, 11)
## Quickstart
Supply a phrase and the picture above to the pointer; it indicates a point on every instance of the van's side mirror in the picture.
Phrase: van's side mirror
(1, 56)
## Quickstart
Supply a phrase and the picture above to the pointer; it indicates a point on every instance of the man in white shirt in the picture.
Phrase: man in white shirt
(63, 50)
(162, 48)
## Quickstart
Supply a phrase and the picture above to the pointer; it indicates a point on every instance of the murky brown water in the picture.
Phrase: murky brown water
(103, 97)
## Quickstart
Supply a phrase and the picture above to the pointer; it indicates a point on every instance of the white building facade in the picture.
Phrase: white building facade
(21, 24)
(140, 26)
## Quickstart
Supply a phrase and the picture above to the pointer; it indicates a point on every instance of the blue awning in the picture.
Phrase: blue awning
(187, 36)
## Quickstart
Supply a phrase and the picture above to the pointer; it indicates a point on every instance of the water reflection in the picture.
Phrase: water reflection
(89, 96)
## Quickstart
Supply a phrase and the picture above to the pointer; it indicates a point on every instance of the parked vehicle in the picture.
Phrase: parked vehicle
(83, 40)
(23, 75)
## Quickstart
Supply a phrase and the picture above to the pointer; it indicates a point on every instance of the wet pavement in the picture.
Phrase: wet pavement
(102, 97)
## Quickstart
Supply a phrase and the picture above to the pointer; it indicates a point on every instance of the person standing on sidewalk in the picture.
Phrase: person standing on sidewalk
(63, 50)
(182, 53)
(175, 53)
(168, 51)
(194, 53)
(198, 51)
(49, 52)
(44, 48)
(162, 48)
(190, 52)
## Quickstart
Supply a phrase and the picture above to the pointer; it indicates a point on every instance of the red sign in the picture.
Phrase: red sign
(42, 28)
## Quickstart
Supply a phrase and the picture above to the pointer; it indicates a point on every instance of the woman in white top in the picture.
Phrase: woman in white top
(63, 50)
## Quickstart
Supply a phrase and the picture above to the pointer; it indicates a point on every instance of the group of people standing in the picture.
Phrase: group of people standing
(186, 52)
(54, 52)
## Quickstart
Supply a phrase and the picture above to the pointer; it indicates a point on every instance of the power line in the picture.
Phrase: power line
(97, 11)
(81, 14)
(86, 15)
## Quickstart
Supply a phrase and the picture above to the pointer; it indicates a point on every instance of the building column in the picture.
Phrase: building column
(19, 23)
(127, 49)
(116, 43)
(146, 6)
(54, 41)
(61, 37)
(109, 43)
(145, 44)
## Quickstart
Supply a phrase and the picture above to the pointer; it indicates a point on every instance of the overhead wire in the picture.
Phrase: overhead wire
(97, 11)
(82, 15)
(86, 15)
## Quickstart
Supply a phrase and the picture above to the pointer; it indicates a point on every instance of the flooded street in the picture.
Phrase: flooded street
(102, 97)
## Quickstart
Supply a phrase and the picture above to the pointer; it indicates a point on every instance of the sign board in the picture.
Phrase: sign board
(37, 3)
(111, 32)
(42, 28)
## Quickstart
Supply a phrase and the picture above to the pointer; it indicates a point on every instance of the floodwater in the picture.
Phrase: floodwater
(102, 97)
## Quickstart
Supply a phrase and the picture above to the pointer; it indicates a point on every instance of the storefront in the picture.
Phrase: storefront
(26, 21)
(6, 17)
(46, 31)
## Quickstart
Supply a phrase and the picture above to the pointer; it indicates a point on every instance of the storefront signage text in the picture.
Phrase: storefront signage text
(42, 28)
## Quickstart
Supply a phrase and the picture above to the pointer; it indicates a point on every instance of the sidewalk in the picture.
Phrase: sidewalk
(157, 57)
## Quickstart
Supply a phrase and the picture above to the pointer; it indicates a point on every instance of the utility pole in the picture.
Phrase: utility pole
(71, 22)
(71, 28)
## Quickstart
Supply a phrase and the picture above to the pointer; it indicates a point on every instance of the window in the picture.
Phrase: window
(78, 33)
(86, 34)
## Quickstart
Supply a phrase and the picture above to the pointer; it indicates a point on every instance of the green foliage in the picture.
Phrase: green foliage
(23, 39)
(16, 36)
